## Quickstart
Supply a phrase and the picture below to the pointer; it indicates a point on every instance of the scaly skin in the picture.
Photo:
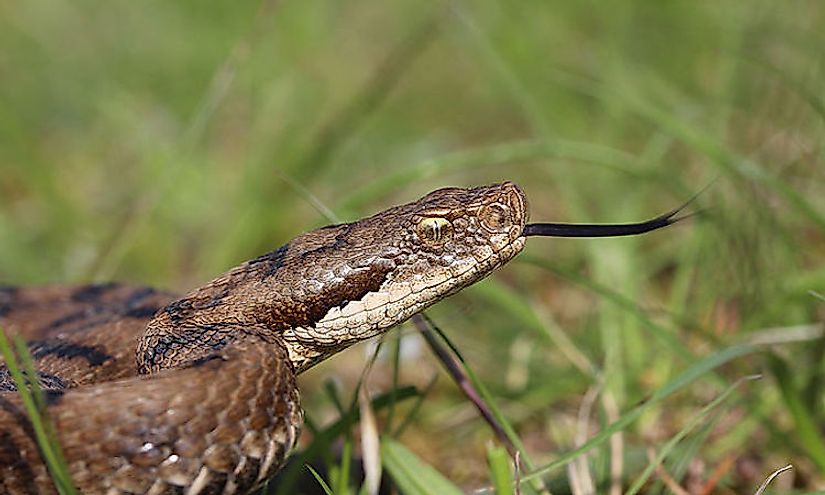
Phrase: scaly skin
(152, 394)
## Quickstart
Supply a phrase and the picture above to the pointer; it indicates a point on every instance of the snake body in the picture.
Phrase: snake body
(158, 394)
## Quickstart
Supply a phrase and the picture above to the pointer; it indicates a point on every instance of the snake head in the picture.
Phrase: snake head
(453, 237)
(359, 279)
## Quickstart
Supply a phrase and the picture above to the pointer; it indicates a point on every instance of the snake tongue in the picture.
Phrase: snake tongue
(605, 230)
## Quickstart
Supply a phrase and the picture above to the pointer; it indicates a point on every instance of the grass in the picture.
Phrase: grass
(19, 363)
(159, 144)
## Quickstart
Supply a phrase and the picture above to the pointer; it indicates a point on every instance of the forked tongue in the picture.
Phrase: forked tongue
(606, 230)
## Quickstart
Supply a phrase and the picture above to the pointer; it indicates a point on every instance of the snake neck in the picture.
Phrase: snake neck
(198, 326)
(166, 346)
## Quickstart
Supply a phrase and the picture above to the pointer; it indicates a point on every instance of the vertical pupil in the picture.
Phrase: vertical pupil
(436, 230)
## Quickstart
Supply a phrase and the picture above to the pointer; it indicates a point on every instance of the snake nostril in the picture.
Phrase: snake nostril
(518, 204)
(495, 217)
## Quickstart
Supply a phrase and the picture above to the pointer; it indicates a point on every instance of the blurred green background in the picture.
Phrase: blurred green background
(163, 142)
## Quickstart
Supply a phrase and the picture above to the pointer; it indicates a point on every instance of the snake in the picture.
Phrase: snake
(154, 393)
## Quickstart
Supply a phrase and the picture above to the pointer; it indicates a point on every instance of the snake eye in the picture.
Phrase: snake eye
(435, 230)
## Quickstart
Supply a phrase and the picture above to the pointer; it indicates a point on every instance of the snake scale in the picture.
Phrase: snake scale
(158, 394)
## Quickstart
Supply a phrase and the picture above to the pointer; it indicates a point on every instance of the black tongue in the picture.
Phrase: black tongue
(605, 230)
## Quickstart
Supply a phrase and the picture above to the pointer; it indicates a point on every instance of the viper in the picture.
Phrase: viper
(154, 393)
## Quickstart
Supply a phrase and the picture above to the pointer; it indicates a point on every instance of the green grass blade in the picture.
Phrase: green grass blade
(324, 438)
(340, 475)
(396, 367)
(684, 379)
(679, 463)
(475, 391)
(498, 414)
(807, 431)
(499, 462)
(411, 414)
(34, 403)
(411, 474)
(671, 444)
(324, 485)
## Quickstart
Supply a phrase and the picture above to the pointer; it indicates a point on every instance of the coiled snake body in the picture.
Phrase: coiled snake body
(155, 394)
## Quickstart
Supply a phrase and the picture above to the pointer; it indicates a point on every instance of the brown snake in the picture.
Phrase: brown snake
(155, 394)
